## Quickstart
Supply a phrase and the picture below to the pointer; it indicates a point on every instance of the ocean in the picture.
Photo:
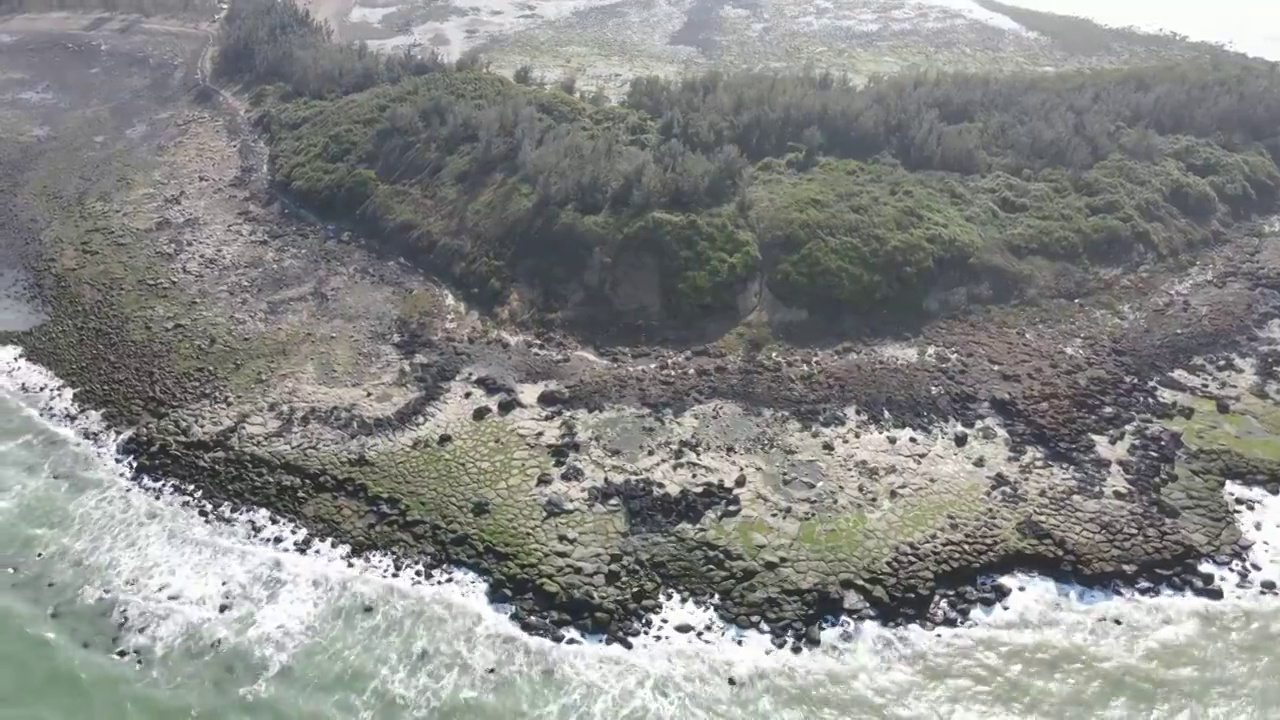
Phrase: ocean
(122, 602)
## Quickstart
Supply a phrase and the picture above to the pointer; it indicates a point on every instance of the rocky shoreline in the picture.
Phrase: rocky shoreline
(261, 361)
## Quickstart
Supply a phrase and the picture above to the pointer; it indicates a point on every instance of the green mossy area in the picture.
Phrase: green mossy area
(1242, 444)
(845, 199)
(1251, 428)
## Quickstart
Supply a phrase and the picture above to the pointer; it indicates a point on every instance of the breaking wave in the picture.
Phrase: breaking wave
(230, 617)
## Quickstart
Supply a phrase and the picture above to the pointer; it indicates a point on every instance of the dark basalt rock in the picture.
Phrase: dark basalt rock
(649, 510)
(553, 397)
(481, 412)
(493, 386)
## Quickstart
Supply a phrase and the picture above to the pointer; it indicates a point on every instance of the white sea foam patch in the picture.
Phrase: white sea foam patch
(346, 638)
(370, 15)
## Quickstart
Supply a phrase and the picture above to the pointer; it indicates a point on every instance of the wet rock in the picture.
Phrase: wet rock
(683, 628)
(444, 439)
(1212, 592)
(1268, 585)
(813, 635)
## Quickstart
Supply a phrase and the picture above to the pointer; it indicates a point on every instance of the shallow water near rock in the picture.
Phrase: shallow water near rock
(116, 603)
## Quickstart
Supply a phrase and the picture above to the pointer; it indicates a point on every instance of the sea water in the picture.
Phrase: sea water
(123, 602)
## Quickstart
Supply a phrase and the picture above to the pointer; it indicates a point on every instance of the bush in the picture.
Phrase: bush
(706, 260)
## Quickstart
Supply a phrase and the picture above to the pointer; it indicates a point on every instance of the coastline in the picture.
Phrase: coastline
(264, 363)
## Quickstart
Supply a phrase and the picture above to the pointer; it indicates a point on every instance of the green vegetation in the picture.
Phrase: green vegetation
(846, 199)
(1251, 429)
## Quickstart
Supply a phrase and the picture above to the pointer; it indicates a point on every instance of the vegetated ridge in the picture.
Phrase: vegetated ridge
(843, 199)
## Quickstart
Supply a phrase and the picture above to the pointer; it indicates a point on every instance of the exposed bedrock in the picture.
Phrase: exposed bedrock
(262, 361)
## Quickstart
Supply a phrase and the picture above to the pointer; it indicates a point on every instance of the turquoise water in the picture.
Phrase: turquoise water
(225, 621)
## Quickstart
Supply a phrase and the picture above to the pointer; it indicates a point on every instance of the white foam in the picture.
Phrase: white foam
(429, 644)
(370, 15)
(977, 12)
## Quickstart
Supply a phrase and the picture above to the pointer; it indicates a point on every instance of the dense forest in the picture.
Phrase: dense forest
(844, 199)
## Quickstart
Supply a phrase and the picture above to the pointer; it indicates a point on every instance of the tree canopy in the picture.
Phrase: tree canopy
(842, 198)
